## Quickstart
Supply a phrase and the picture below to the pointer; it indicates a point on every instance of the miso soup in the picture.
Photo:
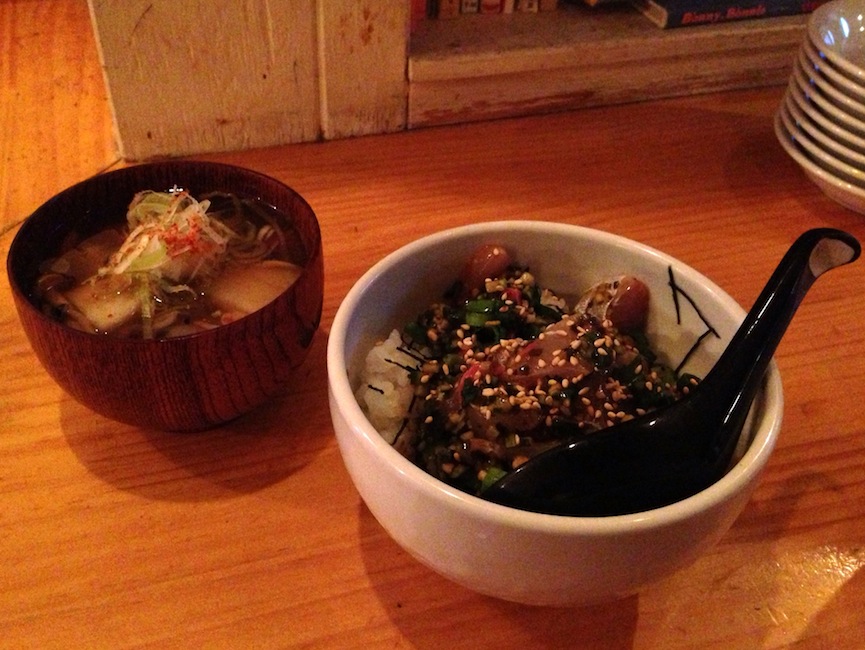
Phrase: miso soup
(178, 266)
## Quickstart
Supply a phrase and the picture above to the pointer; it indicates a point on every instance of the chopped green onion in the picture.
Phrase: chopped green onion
(492, 475)
(476, 319)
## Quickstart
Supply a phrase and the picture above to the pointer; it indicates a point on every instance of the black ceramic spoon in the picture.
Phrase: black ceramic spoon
(679, 450)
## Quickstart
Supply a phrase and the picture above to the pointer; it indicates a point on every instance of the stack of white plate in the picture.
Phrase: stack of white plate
(821, 121)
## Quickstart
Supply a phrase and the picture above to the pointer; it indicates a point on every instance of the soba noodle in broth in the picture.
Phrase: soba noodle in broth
(178, 266)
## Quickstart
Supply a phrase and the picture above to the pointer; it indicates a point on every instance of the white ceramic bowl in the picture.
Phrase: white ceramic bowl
(833, 75)
(843, 191)
(837, 30)
(820, 155)
(815, 95)
(511, 554)
(828, 126)
(817, 76)
(812, 130)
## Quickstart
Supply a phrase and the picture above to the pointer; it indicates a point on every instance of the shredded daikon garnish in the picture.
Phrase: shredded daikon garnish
(171, 236)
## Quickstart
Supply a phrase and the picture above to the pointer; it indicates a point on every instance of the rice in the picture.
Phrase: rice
(385, 391)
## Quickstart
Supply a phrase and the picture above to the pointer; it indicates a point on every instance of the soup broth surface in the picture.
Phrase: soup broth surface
(179, 265)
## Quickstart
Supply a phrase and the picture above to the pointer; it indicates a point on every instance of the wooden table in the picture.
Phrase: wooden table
(253, 535)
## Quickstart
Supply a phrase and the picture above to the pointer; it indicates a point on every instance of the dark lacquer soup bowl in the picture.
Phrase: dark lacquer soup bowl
(188, 382)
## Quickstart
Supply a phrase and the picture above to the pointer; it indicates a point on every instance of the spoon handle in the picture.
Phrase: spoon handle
(734, 380)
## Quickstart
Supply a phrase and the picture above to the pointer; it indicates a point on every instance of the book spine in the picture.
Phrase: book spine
(448, 8)
(491, 6)
(527, 6)
(686, 13)
(470, 6)
(418, 13)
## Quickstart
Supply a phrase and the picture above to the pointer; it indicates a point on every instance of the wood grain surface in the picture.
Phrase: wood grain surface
(252, 535)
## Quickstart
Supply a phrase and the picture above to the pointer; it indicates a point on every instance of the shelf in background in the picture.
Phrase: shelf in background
(474, 68)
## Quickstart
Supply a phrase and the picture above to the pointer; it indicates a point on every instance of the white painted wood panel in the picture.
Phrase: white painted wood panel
(195, 76)
(363, 52)
(204, 75)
